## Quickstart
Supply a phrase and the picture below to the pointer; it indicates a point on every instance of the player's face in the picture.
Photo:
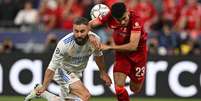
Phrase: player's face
(124, 20)
(80, 33)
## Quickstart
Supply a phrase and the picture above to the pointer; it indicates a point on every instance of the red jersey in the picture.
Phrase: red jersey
(193, 15)
(172, 10)
(121, 35)
(145, 10)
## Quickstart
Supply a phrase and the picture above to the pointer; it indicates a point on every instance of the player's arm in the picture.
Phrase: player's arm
(48, 77)
(99, 59)
(95, 22)
(132, 45)
(53, 65)
(100, 62)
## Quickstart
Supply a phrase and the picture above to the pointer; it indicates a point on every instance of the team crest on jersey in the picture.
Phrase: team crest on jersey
(136, 25)
(57, 50)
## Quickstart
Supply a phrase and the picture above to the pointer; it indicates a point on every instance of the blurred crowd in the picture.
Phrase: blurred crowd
(173, 26)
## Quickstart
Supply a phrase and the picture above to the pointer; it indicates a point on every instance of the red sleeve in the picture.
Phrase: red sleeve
(105, 18)
(136, 25)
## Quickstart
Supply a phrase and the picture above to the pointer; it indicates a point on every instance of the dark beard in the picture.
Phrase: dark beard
(81, 41)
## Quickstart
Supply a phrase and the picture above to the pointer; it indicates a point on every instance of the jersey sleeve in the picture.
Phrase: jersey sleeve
(104, 19)
(57, 56)
(136, 25)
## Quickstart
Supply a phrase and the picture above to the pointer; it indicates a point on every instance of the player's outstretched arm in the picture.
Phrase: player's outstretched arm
(131, 46)
(104, 76)
(95, 22)
(47, 79)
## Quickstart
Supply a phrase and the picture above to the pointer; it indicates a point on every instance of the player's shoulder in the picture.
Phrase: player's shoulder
(93, 33)
(135, 18)
(67, 39)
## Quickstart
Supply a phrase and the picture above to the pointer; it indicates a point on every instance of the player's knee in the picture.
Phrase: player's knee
(119, 89)
(135, 89)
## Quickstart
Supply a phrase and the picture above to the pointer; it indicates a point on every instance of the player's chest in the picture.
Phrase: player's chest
(121, 38)
(75, 51)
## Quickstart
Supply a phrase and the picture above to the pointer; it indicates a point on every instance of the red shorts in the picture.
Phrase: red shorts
(133, 66)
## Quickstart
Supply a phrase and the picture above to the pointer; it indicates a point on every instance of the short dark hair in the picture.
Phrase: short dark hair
(81, 20)
(118, 9)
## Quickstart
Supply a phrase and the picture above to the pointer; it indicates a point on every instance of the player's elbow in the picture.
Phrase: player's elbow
(133, 48)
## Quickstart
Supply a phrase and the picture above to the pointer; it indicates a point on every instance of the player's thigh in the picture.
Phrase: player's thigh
(121, 70)
(137, 76)
(77, 88)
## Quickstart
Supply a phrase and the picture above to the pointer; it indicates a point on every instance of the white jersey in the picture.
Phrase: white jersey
(70, 56)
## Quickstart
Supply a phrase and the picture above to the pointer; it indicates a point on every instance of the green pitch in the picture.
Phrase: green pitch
(12, 98)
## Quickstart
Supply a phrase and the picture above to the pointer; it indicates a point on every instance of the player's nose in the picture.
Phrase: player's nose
(79, 34)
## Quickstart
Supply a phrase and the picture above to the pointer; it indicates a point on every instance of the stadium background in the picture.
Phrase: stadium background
(30, 29)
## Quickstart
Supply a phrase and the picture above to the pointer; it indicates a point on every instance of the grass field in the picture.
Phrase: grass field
(19, 98)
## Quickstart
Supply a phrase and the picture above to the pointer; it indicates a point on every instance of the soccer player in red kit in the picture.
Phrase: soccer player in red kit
(130, 48)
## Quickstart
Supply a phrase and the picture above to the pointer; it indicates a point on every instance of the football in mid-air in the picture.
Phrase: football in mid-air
(99, 10)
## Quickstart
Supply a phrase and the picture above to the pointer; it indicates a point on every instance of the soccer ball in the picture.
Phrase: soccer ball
(99, 10)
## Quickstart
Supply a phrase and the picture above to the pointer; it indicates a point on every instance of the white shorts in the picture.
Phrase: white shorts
(64, 79)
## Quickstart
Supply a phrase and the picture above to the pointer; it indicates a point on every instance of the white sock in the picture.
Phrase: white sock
(50, 96)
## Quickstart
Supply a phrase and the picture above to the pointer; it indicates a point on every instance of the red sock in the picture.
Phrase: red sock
(121, 93)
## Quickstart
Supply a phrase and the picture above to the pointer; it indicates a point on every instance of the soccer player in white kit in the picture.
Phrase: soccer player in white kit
(68, 61)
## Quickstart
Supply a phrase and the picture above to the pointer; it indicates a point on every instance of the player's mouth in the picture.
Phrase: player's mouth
(81, 41)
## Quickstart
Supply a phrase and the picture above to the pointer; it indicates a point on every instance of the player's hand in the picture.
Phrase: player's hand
(105, 47)
(40, 90)
(105, 77)
(95, 42)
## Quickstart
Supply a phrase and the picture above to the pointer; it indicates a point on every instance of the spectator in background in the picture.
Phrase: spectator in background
(51, 43)
(27, 16)
(131, 3)
(8, 46)
(168, 40)
(146, 10)
(190, 19)
(185, 43)
(66, 11)
(69, 14)
(153, 45)
(109, 2)
(1, 49)
(196, 48)
(8, 11)
(46, 14)
(171, 10)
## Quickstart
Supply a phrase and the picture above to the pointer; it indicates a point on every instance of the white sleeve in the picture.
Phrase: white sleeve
(19, 18)
(57, 57)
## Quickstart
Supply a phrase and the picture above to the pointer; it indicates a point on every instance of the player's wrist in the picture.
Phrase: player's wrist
(102, 72)
(112, 47)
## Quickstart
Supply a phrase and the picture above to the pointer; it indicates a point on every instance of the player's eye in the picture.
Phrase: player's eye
(76, 31)
(82, 31)
(123, 18)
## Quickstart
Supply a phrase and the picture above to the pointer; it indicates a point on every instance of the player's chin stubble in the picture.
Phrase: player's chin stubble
(81, 41)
